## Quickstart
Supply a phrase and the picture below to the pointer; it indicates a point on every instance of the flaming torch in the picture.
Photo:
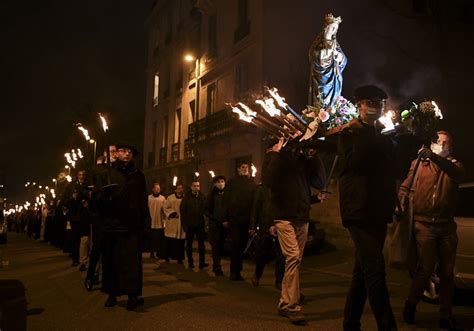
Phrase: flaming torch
(387, 121)
(212, 174)
(281, 102)
(254, 170)
(84, 131)
(105, 128)
(175, 180)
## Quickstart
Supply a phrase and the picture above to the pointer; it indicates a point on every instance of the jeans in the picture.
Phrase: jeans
(368, 279)
(435, 242)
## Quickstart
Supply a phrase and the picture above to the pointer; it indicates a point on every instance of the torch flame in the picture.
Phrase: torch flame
(269, 106)
(241, 114)
(196, 174)
(249, 111)
(85, 132)
(175, 180)
(79, 153)
(212, 173)
(254, 170)
(105, 126)
(74, 156)
(274, 93)
(437, 111)
(387, 120)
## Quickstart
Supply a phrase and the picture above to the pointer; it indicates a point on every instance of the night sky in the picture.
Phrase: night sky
(62, 62)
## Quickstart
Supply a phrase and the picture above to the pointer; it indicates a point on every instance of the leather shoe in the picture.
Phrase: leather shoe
(134, 301)
(110, 302)
(447, 323)
(88, 283)
(295, 317)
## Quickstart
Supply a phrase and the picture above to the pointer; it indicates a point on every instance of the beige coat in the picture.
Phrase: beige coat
(173, 227)
(156, 211)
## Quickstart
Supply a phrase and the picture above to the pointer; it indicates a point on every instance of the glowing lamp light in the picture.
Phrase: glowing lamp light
(189, 58)
(196, 174)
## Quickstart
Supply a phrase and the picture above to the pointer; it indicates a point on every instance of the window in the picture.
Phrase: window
(211, 99)
(153, 139)
(167, 81)
(212, 36)
(243, 28)
(164, 132)
(156, 89)
(241, 80)
(192, 108)
(151, 154)
(177, 126)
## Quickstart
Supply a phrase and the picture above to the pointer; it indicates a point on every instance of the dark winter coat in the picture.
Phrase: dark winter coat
(238, 199)
(122, 206)
(367, 188)
(192, 210)
(262, 214)
(290, 175)
(215, 207)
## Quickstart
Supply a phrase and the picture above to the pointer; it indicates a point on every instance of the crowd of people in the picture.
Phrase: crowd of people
(106, 219)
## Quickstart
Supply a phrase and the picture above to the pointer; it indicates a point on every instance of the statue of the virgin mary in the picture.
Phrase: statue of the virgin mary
(327, 64)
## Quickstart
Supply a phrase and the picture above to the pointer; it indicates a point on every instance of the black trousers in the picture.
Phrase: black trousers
(217, 235)
(239, 235)
(75, 241)
(368, 279)
(200, 234)
(157, 242)
(122, 263)
(269, 246)
(95, 252)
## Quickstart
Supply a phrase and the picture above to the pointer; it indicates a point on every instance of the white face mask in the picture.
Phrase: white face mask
(439, 150)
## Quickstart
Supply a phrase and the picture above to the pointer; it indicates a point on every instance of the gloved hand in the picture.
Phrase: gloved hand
(425, 153)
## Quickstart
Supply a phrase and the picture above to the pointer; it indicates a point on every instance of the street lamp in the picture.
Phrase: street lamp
(190, 58)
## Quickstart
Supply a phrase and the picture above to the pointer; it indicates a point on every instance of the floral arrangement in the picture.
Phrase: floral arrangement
(341, 113)
(422, 119)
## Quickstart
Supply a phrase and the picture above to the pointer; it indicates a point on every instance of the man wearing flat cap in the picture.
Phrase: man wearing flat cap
(123, 209)
(367, 200)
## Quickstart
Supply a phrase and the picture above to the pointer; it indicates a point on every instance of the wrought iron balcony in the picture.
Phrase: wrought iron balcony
(175, 152)
(163, 155)
(188, 149)
(212, 126)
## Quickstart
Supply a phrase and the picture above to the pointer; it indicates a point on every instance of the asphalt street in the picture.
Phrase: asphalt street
(182, 299)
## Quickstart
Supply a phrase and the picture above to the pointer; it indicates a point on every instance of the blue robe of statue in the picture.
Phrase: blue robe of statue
(326, 80)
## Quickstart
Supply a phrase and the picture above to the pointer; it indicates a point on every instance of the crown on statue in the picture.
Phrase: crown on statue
(330, 19)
